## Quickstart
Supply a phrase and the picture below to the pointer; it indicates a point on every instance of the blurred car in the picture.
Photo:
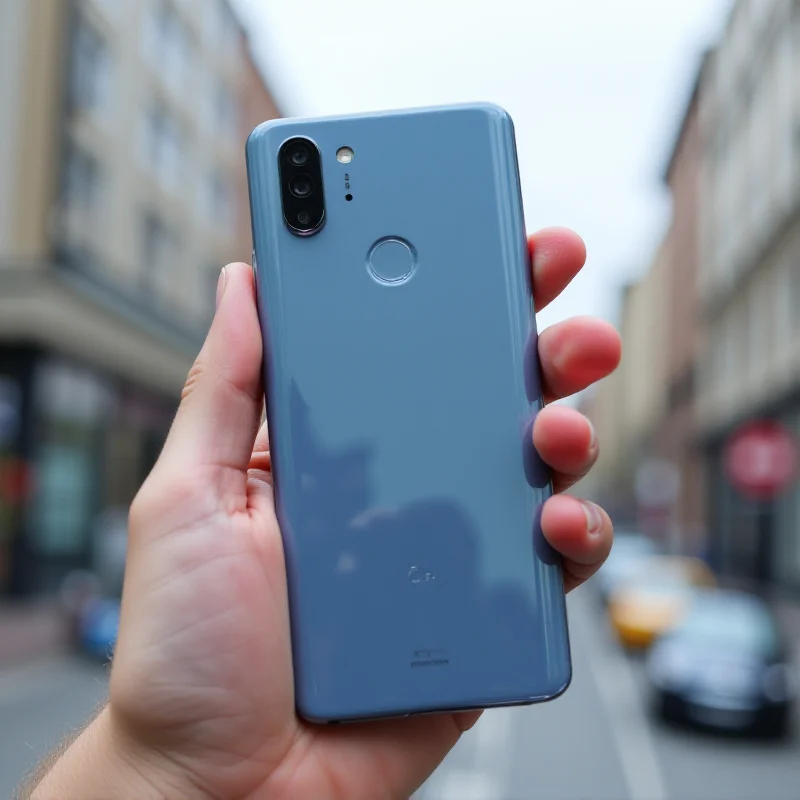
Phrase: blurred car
(653, 601)
(626, 558)
(99, 626)
(725, 666)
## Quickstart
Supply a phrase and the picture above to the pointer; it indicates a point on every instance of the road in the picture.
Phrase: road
(594, 743)
(40, 704)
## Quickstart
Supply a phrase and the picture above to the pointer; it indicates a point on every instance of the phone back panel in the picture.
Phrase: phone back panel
(398, 410)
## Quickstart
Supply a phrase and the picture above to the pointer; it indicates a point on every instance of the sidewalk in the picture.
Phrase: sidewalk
(30, 630)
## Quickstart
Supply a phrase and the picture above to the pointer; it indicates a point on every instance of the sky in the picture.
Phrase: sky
(596, 88)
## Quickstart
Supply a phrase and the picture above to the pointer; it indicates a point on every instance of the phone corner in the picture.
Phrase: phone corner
(311, 713)
(260, 132)
(562, 682)
(495, 112)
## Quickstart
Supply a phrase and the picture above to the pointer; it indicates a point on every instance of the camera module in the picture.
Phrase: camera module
(302, 193)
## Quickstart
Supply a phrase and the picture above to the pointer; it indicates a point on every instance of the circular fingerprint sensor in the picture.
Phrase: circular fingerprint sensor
(392, 260)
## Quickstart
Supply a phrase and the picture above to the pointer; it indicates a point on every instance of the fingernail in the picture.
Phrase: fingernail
(594, 518)
(540, 258)
(593, 436)
(223, 279)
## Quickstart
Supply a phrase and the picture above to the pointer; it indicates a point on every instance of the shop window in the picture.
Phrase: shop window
(158, 249)
(168, 44)
(82, 181)
(90, 77)
(65, 479)
(163, 145)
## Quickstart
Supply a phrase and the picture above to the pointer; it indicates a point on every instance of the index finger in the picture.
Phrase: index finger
(557, 255)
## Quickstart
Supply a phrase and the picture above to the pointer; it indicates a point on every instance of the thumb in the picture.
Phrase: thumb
(221, 403)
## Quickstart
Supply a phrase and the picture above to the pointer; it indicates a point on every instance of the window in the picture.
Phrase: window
(784, 163)
(761, 316)
(759, 15)
(682, 388)
(222, 27)
(223, 201)
(168, 44)
(794, 523)
(82, 180)
(112, 9)
(784, 302)
(159, 247)
(229, 27)
(204, 103)
(731, 350)
(91, 69)
(163, 145)
(216, 202)
(73, 407)
(225, 111)
(795, 273)
(759, 129)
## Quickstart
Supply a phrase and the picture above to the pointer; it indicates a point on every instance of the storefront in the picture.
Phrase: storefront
(85, 441)
(14, 385)
(787, 522)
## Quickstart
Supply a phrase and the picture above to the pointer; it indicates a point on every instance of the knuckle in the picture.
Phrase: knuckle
(167, 501)
(193, 378)
(606, 538)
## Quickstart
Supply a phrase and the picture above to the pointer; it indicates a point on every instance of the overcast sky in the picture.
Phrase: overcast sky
(596, 89)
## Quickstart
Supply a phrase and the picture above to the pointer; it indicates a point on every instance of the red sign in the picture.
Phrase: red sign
(15, 481)
(761, 459)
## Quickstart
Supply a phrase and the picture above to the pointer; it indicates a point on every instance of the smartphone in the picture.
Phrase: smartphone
(394, 293)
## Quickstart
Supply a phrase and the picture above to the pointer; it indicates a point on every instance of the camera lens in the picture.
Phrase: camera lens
(301, 185)
(298, 155)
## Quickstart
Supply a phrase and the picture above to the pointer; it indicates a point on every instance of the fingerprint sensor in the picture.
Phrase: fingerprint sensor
(392, 260)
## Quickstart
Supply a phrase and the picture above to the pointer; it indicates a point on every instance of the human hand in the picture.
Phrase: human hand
(201, 698)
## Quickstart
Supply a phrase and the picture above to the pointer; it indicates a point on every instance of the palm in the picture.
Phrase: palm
(223, 693)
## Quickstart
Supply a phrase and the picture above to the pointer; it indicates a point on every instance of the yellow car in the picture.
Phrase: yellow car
(655, 600)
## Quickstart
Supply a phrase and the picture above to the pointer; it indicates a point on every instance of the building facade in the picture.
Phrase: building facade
(749, 277)
(626, 407)
(675, 439)
(257, 106)
(121, 153)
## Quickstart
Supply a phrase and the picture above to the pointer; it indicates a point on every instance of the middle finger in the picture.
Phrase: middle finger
(575, 354)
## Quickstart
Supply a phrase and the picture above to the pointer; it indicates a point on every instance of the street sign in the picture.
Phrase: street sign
(760, 459)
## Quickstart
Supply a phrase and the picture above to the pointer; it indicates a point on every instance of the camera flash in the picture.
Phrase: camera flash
(344, 155)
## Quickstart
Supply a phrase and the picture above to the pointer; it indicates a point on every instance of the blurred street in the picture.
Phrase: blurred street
(40, 703)
(595, 743)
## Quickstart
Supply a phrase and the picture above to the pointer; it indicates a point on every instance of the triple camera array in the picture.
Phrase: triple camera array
(301, 186)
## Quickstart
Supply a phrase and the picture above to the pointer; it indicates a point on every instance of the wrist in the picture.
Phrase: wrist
(105, 762)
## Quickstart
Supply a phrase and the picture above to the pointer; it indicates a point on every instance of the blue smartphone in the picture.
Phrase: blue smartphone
(394, 292)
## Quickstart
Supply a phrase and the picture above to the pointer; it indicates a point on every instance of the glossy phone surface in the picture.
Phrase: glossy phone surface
(401, 384)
